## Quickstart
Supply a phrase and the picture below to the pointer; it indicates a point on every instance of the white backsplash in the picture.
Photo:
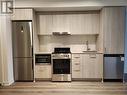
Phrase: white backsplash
(77, 43)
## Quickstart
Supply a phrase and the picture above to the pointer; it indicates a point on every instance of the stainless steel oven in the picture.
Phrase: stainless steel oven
(61, 66)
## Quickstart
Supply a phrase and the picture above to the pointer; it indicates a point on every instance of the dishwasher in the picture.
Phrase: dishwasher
(113, 66)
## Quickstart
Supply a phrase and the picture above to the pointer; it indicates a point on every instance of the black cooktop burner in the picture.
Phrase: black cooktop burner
(62, 50)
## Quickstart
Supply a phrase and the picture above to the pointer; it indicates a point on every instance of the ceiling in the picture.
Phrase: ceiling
(67, 5)
(68, 8)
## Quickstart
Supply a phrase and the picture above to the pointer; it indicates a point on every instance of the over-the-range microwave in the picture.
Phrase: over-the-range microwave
(43, 58)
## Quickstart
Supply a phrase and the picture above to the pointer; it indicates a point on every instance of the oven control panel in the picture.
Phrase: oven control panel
(61, 56)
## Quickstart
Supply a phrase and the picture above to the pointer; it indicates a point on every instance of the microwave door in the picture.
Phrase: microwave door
(43, 59)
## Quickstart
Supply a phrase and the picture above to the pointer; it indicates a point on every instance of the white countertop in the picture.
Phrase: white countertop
(86, 52)
(43, 53)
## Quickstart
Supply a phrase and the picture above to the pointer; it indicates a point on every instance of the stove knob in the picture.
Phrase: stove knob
(53, 55)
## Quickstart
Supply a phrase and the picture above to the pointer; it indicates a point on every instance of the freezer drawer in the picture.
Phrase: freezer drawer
(113, 66)
(23, 69)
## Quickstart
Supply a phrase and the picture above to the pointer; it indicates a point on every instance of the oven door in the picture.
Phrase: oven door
(61, 66)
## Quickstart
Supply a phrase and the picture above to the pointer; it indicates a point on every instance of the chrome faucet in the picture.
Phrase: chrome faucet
(87, 45)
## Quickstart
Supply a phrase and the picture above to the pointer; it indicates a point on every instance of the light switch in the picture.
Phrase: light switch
(122, 58)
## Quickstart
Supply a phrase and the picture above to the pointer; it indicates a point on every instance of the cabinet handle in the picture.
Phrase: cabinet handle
(92, 55)
(76, 70)
(41, 70)
(105, 49)
(77, 63)
(76, 57)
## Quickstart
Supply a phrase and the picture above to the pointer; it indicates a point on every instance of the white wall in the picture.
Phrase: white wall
(6, 58)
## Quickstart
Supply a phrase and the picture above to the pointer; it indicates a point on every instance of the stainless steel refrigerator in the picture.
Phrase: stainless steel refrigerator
(22, 50)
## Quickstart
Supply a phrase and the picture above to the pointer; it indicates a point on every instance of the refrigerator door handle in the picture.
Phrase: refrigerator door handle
(31, 50)
(31, 35)
(32, 65)
(31, 39)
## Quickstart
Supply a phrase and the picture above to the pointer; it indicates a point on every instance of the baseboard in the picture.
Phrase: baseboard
(0, 83)
(113, 80)
(42, 79)
(7, 83)
(11, 82)
(87, 79)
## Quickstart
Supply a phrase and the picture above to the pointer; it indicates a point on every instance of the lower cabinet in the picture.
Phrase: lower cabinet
(43, 71)
(87, 65)
(92, 65)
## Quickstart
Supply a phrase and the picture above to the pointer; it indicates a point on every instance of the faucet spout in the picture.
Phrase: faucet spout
(87, 45)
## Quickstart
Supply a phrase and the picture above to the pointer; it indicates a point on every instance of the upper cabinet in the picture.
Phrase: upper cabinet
(61, 23)
(22, 14)
(44, 24)
(113, 27)
(84, 23)
(75, 24)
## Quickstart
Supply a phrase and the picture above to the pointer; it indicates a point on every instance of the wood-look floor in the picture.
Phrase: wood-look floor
(65, 88)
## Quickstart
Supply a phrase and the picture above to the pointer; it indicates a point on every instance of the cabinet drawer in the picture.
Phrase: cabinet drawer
(76, 66)
(76, 56)
(93, 55)
(43, 71)
(76, 63)
(39, 68)
(40, 74)
(78, 60)
(76, 74)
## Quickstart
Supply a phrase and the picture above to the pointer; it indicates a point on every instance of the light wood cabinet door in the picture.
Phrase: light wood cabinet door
(44, 24)
(76, 66)
(92, 65)
(75, 24)
(43, 71)
(113, 27)
(61, 23)
(84, 23)
(22, 14)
